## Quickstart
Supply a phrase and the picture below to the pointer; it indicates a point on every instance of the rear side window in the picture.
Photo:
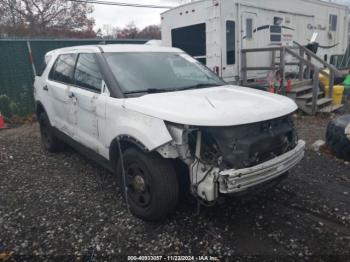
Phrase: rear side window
(87, 73)
(44, 65)
(41, 69)
(230, 42)
(63, 69)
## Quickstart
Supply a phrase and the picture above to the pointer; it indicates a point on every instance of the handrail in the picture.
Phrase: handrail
(265, 49)
(313, 55)
(311, 67)
(305, 61)
(299, 57)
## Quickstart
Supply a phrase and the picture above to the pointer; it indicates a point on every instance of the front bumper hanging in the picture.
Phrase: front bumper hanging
(235, 181)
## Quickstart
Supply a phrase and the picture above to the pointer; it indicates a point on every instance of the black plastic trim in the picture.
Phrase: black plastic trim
(89, 153)
(108, 77)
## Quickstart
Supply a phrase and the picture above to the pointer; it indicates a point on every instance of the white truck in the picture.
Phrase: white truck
(215, 31)
(164, 123)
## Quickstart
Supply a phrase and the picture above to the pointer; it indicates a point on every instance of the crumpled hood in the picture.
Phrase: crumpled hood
(217, 106)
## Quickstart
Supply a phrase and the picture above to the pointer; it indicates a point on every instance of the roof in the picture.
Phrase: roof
(117, 48)
(320, 2)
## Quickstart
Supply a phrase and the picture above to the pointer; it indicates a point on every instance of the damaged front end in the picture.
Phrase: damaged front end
(233, 159)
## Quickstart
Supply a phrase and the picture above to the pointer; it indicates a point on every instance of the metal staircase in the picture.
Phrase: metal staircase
(305, 87)
(302, 93)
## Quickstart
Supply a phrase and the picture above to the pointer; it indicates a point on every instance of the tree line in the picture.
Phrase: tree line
(60, 19)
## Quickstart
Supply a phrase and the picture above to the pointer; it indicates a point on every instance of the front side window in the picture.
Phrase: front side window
(63, 69)
(333, 19)
(159, 72)
(230, 42)
(87, 73)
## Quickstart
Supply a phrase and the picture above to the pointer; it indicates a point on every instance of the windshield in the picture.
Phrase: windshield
(153, 72)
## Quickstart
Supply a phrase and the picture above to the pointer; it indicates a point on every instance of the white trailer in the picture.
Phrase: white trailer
(215, 31)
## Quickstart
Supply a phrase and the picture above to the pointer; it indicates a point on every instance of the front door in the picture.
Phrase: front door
(89, 105)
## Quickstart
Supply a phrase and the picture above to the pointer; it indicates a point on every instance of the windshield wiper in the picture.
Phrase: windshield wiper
(164, 90)
(151, 91)
(202, 85)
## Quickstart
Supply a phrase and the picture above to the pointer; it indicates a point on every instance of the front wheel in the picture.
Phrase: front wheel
(150, 186)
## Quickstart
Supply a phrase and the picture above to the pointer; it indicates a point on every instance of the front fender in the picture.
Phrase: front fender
(149, 131)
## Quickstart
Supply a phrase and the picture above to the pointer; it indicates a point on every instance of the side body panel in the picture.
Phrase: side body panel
(298, 20)
(89, 111)
(46, 96)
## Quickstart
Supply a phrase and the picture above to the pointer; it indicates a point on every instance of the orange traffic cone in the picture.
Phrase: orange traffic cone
(2, 122)
(271, 89)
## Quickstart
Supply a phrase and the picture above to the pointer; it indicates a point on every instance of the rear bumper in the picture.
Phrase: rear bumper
(235, 181)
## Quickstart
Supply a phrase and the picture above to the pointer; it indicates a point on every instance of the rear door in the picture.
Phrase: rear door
(59, 81)
(89, 104)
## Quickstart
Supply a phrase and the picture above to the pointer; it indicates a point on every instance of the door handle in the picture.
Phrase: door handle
(45, 88)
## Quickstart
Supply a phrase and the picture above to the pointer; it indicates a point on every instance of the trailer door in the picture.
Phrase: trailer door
(230, 59)
(249, 39)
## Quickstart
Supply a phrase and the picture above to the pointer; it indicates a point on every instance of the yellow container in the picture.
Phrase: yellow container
(338, 92)
(324, 79)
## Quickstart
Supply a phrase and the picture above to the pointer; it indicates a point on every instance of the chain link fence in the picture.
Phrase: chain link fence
(16, 72)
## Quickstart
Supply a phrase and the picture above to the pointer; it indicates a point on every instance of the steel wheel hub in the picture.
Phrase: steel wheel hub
(137, 181)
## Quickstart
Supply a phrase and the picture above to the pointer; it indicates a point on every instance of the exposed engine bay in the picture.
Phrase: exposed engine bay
(215, 154)
(247, 145)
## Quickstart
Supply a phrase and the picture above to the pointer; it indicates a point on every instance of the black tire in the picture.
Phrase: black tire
(336, 139)
(48, 140)
(151, 182)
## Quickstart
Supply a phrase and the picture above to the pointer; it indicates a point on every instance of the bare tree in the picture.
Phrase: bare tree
(150, 32)
(45, 18)
(131, 31)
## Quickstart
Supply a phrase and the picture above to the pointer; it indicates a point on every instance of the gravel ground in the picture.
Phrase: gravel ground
(63, 205)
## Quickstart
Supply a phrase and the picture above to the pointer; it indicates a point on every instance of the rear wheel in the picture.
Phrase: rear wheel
(150, 186)
(48, 140)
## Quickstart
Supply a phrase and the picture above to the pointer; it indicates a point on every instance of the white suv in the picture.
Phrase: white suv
(163, 122)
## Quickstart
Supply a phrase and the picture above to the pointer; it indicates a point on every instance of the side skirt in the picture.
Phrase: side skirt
(83, 150)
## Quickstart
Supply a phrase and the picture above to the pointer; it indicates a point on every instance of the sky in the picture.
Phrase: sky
(116, 16)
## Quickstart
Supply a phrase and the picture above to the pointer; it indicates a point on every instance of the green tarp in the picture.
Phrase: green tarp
(16, 73)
